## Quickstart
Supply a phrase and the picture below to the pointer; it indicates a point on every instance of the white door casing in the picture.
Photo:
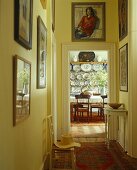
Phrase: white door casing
(66, 47)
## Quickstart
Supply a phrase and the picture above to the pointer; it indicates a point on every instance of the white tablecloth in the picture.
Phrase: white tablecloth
(93, 99)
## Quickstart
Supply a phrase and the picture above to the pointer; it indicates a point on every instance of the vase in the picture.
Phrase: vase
(25, 89)
(102, 90)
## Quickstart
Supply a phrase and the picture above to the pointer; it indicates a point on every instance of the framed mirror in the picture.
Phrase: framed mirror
(21, 89)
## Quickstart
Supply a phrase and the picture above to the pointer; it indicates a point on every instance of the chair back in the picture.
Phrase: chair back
(82, 97)
(82, 101)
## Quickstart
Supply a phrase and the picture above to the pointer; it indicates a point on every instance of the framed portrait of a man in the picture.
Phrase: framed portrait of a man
(88, 21)
(123, 18)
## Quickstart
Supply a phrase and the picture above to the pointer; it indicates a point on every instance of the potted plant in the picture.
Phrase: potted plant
(99, 79)
(102, 80)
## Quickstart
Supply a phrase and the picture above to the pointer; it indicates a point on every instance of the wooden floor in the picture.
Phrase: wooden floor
(88, 132)
(85, 132)
(95, 128)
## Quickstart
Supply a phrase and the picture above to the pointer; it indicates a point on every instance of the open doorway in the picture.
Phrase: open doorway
(112, 86)
(88, 75)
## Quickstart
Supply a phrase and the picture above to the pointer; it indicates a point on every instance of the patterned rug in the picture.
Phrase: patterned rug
(98, 156)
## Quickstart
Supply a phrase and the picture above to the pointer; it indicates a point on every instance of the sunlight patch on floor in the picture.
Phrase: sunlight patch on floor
(88, 131)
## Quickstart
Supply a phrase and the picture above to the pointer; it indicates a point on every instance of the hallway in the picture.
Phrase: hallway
(94, 152)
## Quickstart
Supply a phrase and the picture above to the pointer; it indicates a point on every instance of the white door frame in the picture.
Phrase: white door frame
(54, 87)
(66, 47)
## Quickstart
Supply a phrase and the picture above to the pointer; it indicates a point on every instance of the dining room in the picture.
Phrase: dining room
(88, 77)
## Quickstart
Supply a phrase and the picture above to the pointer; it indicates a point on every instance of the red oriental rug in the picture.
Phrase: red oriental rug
(98, 156)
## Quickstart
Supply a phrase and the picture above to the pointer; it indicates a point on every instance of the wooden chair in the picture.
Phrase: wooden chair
(99, 106)
(82, 106)
(96, 105)
(55, 151)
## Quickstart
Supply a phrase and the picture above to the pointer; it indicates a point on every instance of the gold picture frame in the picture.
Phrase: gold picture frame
(123, 18)
(88, 21)
(21, 89)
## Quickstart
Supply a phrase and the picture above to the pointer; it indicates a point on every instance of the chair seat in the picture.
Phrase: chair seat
(56, 152)
(96, 105)
(62, 158)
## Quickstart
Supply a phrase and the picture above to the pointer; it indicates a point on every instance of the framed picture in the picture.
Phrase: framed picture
(53, 15)
(123, 18)
(23, 22)
(123, 67)
(21, 89)
(41, 53)
(44, 3)
(88, 21)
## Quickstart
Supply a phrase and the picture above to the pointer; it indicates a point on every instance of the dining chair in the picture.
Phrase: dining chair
(99, 106)
(56, 149)
(82, 106)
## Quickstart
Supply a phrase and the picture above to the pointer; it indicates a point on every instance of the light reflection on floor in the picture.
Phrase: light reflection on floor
(88, 132)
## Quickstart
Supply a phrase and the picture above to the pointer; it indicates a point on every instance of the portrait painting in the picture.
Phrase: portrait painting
(123, 67)
(41, 53)
(88, 21)
(123, 18)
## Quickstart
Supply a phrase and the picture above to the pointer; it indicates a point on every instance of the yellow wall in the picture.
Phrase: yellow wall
(20, 146)
(63, 34)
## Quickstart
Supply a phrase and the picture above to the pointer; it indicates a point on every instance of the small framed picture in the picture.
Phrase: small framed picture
(23, 22)
(88, 21)
(44, 3)
(123, 67)
(21, 89)
(41, 53)
(123, 18)
(53, 15)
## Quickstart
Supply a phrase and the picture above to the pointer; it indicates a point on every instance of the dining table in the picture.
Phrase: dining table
(96, 102)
